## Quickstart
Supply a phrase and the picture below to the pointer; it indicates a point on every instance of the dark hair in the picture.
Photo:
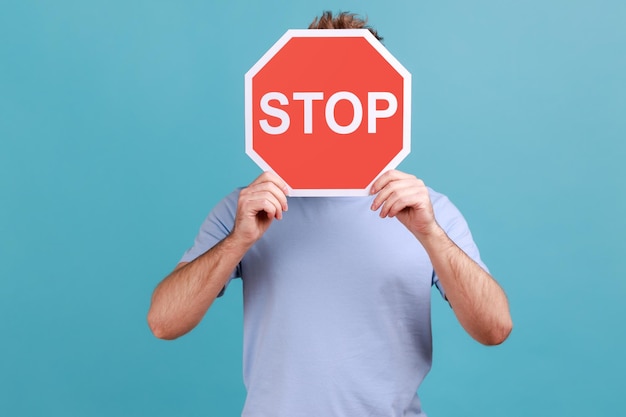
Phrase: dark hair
(343, 20)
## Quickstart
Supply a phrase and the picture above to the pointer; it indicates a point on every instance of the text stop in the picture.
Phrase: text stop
(307, 98)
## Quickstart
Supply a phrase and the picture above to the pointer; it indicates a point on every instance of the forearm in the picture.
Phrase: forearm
(476, 298)
(181, 300)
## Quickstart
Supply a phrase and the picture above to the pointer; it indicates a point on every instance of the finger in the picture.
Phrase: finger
(382, 196)
(401, 201)
(273, 189)
(267, 202)
(272, 177)
(400, 193)
(386, 178)
(415, 197)
(254, 207)
(388, 190)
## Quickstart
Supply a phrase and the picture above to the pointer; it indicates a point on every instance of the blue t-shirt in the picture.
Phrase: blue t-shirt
(336, 307)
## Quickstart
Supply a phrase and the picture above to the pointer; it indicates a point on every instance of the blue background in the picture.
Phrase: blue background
(121, 125)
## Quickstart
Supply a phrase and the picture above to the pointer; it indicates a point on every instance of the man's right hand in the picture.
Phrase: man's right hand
(180, 301)
(259, 204)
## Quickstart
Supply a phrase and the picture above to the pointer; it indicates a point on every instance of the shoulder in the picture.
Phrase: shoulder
(446, 213)
(223, 213)
(230, 200)
(440, 201)
(228, 204)
(215, 227)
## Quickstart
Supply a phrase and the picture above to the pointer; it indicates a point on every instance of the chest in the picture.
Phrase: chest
(337, 247)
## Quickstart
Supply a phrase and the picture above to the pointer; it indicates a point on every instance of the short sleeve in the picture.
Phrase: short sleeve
(453, 223)
(217, 225)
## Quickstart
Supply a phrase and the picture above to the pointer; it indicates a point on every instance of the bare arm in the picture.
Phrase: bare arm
(476, 298)
(182, 299)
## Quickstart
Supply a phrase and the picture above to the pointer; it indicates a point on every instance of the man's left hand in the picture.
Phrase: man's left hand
(405, 197)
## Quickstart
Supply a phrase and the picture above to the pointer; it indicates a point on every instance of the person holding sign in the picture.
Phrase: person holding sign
(336, 290)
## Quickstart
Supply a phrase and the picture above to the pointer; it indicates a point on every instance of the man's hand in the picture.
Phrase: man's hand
(476, 298)
(262, 201)
(181, 300)
(405, 197)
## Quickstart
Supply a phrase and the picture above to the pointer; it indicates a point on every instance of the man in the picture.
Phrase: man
(336, 290)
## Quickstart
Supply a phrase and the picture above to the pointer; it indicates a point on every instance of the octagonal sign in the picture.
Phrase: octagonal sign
(328, 110)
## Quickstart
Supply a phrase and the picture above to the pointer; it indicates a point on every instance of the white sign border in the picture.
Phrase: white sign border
(327, 33)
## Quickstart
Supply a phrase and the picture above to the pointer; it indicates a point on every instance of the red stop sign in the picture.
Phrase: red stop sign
(328, 111)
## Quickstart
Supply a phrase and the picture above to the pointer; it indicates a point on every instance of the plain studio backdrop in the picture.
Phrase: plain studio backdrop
(121, 125)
